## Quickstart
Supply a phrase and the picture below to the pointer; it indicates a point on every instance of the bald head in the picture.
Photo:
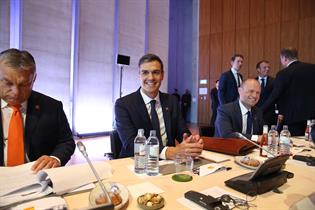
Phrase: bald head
(249, 92)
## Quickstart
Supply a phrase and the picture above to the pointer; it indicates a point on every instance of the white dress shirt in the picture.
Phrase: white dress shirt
(236, 76)
(244, 111)
(6, 112)
(159, 112)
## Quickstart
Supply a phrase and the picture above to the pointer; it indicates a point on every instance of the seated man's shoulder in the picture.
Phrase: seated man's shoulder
(41, 98)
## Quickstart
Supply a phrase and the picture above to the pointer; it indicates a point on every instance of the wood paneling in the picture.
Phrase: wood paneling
(257, 29)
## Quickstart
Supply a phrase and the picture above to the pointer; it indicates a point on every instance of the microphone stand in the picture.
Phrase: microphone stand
(82, 149)
(241, 136)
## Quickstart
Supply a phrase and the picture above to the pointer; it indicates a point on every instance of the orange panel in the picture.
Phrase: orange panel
(272, 11)
(228, 49)
(216, 16)
(229, 15)
(256, 50)
(242, 14)
(307, 8)
(290, 10)
(272, 47)
(257, 10)
(242, 46)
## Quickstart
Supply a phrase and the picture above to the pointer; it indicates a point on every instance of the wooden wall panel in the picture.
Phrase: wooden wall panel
(256, 50)
(258, 29)
(228, 15)
(215, 16)
(204, 56)
(242, 47)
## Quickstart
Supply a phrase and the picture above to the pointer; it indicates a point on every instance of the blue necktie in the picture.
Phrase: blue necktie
(249, 123)
(263, 84)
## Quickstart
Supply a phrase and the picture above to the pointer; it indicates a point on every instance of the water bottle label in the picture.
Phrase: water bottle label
(142, 149)
(284, 140)
(154, 151)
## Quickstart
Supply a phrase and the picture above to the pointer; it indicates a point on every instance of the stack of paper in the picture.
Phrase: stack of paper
(20, 183)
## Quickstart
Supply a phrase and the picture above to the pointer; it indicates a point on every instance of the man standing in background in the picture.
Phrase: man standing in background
(231, 80)
(266, 84)
(293, 92)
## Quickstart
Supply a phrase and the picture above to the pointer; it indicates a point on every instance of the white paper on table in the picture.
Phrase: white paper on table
(217, 158)
(44, 203)
(213, 191)
(146, 187)
(210, 168)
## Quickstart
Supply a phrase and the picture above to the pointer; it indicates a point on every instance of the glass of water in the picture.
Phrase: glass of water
(183, 162)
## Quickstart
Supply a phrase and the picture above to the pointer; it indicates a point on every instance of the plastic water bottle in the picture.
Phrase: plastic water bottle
(139, 152)
(152, 153)
(273, 141)
(284, 142)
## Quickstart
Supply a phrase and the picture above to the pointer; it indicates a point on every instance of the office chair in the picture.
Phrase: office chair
(206, 131)
(115, 145)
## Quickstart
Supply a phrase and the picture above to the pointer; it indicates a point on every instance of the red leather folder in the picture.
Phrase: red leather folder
(230, 146)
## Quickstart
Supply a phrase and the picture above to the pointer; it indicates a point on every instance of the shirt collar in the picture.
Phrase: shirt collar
(4, 104)
(291, 62)
(259, 77)
(234, 71)
(147, 99)
(244, 110)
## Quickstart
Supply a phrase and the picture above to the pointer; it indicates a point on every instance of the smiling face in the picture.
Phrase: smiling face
(151, 76)
(249, 93)
(263, 69)
(15, 84)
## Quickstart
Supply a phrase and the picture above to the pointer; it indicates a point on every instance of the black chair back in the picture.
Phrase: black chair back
(206, 131)
(115, 145)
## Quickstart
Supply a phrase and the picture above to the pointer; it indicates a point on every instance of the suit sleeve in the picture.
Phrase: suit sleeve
(223, 124)
(125, 128)
(279, 84)
(222, 89)
(65, 145)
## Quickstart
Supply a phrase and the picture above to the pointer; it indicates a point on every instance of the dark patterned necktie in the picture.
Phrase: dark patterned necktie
(155, 119)
(263, 84)
(249, 123)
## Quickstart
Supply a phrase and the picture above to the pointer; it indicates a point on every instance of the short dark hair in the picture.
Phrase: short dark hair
(18, 59)
(149, 58)
(289, 53)
(236, 55)
(260, 62)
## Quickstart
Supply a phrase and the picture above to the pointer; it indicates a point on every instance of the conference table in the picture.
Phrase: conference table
(296, 189)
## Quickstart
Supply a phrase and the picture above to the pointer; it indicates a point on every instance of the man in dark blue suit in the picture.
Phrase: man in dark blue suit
(231, 80)
(266, 84)
(293, 92)
(241, 116)
(45, 134)
(134, 111)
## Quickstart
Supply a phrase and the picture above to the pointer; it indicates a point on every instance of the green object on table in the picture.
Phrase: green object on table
(182, 177)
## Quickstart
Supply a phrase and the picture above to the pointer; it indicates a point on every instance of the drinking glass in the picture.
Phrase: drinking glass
(183, 162)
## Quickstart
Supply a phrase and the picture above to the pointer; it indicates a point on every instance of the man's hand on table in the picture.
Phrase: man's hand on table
(192, 146)
(45, 162)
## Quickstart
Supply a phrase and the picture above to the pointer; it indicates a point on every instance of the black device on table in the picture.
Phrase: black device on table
(266, 177)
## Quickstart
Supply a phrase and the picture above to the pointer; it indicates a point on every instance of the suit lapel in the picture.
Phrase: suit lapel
(143, 112)
(166, 114)
(239, 116)
(32, 117)
(233, 78)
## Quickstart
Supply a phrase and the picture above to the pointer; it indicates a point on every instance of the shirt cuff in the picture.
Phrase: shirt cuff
(254, 138)
(163, 153)
(56, 159)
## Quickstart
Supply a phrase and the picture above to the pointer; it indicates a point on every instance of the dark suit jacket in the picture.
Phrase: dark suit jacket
(293, 92)
(228, 90)
(229, 120)
(214, 105)
(269, 115)
(46, 130)
(131, 114)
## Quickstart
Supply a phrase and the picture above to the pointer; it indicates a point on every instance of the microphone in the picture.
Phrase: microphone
(241, 136)
(82, 149)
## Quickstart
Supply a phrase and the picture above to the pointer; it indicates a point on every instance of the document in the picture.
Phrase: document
(19, 183)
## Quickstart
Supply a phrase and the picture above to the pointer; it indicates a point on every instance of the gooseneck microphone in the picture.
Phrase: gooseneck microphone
(82, 149)
(241, 136)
